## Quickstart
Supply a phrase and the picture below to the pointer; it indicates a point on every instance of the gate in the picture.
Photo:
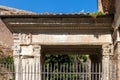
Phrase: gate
(81, 71)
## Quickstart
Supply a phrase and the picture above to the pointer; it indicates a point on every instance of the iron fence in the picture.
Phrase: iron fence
(55, 71)
(72, 71)
(7, 71)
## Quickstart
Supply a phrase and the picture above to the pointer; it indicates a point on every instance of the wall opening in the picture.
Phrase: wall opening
(65, 62)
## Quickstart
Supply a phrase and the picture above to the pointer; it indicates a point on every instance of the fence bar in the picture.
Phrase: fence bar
(56, 71)
(99, 71)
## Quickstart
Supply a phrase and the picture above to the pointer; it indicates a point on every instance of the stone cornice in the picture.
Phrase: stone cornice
(39, 22)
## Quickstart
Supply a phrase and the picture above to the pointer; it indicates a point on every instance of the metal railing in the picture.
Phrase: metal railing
(71, 71)
(7, 72)
(55, 71)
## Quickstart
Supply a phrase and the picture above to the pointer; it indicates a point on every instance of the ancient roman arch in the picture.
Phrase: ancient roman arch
(32, 33)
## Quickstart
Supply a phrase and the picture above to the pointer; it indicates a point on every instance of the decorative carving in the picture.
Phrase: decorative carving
(107, 49)
(36, 50)
(111, 49)
(16, 37)
(22, 38)
(16, 49)
(25, 38)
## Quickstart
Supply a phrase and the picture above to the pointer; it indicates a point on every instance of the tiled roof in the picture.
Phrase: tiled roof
(108, 6)
(12, 11)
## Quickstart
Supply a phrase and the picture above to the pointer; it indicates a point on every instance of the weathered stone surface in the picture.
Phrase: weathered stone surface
(5, 51)
(12, 11)
(105, 67)
(66, 39)
(6, 38)
(40, 30)
(107, 49)
(107, 6)
(117, 50)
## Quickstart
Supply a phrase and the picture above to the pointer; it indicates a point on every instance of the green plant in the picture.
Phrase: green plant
(7, 60)
(64, 64)
(58, 59)
(95, 14)
(1, 53)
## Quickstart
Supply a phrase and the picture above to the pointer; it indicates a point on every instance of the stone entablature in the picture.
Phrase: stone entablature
(69, 29)
(81, 32)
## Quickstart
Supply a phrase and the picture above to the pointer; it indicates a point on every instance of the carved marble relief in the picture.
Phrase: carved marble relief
(19, 39)
(16, 38)
(16, 49)
(22, 38)
(25, 38)
(107, 49)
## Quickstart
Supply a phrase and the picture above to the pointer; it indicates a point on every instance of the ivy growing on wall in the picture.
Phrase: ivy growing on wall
(5, 59)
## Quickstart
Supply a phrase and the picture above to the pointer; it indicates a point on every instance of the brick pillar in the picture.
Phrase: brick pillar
(105, 61)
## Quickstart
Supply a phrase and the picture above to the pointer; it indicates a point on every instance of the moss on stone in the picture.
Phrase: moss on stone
(95, 14)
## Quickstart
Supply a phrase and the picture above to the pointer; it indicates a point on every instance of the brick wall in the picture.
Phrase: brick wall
(5, 35)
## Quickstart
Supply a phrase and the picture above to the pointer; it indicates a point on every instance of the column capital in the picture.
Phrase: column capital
(107, 49)
(36, 50)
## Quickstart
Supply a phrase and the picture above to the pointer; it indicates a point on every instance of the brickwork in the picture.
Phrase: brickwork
(5, 51)
(107, 6)
(5, 35)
